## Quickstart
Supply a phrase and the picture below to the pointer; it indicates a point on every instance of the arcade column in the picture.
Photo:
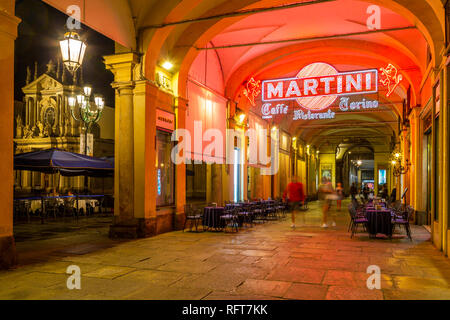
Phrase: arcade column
(180, 170)
(417, 196)
(122, 66)
(8, 33)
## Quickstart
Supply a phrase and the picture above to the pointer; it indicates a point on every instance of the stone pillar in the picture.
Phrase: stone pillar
(445, 160)
(122, 66)
(27, 111)
(8, 33)
(417, 196)
(135, 191)
(35, 114)
(60, 100)
(180, 170)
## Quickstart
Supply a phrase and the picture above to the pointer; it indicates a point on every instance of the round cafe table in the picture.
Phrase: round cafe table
(211, 217)
(379, 222)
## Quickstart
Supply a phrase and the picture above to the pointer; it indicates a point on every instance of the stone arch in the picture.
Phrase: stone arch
(425, 14)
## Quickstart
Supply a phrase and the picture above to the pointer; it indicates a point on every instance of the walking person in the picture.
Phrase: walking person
(326, 195)
(353, 191)
(384, 192)
(340, 194)
(366, 192)
(295, 196)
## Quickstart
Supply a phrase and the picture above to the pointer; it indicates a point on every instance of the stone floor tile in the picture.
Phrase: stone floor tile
(294, 274)
(302, 291)
(412, 283)
(188, 266)
(263, 287)
(352, 293)
(108, 272)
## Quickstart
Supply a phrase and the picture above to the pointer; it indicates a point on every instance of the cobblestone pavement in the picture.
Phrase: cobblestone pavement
(269, 261)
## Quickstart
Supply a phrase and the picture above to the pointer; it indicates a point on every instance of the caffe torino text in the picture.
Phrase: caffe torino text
(346, 83)
(268, 110)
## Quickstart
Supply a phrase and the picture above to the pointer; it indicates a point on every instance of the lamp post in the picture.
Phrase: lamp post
(85, 114)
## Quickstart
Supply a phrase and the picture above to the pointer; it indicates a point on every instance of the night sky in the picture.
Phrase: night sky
(39, 33)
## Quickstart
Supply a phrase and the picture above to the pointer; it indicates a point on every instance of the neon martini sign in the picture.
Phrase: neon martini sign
(315, 88)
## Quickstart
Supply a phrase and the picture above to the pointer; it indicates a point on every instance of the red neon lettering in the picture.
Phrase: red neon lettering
(345, 83)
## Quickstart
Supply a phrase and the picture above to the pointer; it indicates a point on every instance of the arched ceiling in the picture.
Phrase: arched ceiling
(329, 18)
(139, 25)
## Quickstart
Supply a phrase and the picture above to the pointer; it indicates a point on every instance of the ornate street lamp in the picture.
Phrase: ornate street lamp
(398, 168)
(72, 50)
(85, 114)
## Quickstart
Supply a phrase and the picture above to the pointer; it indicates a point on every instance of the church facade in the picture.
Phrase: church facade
(44, 120)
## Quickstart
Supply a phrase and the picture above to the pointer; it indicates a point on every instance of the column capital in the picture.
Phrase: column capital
(122, 65)
(124, 86)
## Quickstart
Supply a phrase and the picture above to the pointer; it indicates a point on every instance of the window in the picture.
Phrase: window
(196, 182)
(165, 181)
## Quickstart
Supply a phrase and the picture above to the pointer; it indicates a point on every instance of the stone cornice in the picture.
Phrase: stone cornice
(8, 24)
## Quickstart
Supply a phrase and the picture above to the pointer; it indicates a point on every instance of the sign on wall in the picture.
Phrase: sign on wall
(319, 85)
(165, 120)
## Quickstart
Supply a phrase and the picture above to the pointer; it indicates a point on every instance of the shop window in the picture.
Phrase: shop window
(165, 181)
(196, 182)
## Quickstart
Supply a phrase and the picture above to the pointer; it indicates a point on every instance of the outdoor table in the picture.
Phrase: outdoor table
(36, 205)
(379, 221)
(211, 217)
(83, 203)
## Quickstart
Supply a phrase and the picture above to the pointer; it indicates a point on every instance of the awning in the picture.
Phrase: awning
(66, 163)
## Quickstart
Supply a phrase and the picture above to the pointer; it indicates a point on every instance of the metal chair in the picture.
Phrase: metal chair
(230, 219)
(356, 220)
(192, 216)
(259, 213)
(51, 207)
(69, 206)
(246, 214)
(271, 212)
(403, 220)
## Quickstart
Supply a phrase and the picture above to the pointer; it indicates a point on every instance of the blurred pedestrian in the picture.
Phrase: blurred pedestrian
(326, 195)
(353, 191)
(340, 194)
(295, 195)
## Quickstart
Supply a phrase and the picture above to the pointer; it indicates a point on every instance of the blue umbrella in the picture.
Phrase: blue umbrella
(66, 163)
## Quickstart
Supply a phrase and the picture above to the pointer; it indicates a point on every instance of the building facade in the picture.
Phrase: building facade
(44, 120)
(208, 88)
